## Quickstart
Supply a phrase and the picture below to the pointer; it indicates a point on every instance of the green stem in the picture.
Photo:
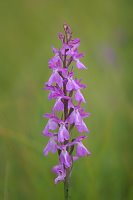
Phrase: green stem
(67, 186)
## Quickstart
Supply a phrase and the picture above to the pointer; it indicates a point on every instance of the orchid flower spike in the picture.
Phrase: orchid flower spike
(66, 90)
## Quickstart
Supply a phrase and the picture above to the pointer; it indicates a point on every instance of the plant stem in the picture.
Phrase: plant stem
(67, 186)
(68, 170)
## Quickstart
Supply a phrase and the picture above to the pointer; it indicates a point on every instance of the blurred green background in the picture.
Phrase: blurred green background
(28, 30)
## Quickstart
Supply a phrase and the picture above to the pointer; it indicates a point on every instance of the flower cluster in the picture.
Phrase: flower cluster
(66, 112)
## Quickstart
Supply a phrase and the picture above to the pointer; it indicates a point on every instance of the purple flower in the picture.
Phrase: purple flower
(55, 78)
(60, 171)
(76, 56)
(52, 123)
(82, 127)
(64, 49)
(74, 43)
(81, 150)
(67, 112)
(71, 83)
(55, 62)
(79, 64)
(65, 158)
(80, 85)
(59, 105)
(55, 92)
(83, 114)
(63, 133)
(79, 96)
(77, 118)
(73, 48)
(75, 85)
(51, 146)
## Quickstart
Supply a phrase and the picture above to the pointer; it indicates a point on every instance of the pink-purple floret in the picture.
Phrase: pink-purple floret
(66, 90)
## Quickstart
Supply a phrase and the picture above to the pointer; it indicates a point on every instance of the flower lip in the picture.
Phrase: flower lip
(65, 158)
(60, 171)
(63, 133)
(51, 146)
(55, 62)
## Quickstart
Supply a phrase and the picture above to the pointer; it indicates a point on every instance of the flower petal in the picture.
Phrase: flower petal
(69, 85)
(81, 150)
(51, 146)
(80, 65)
(55, 78)
(60, 171)
(82, 127)
(65, 158)
(63, 133)
(54, 62)
(52, 124)
(79, 96)
(58, 105)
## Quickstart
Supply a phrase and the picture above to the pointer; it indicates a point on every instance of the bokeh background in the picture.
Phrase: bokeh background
(28, 31)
